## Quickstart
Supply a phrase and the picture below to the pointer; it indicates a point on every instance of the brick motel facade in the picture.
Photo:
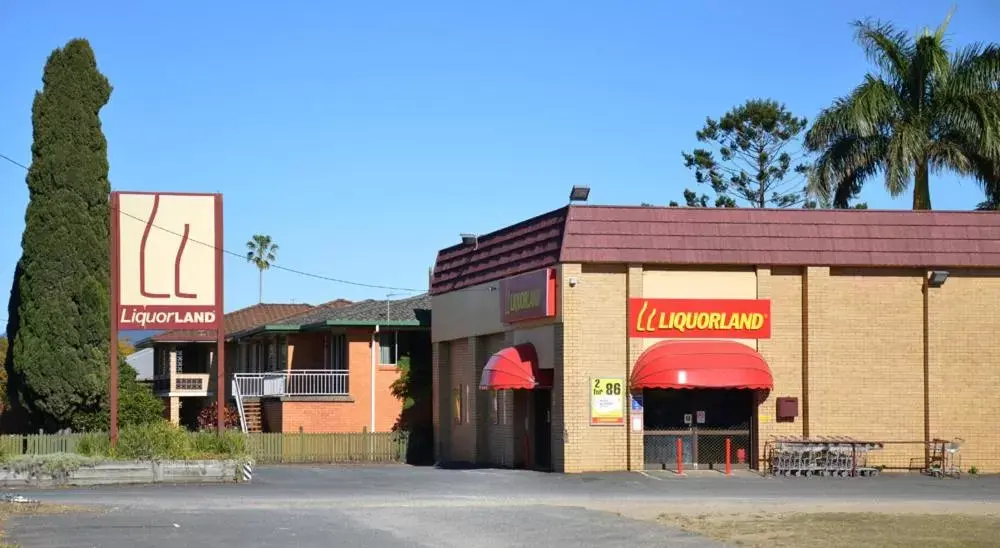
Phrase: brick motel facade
(592, 338)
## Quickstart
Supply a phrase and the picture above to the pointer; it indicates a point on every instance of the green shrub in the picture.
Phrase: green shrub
(156, 440)
(231, 443)
(94, 445)
(57, 465)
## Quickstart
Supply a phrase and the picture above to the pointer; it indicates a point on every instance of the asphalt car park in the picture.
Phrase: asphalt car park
(409, 506)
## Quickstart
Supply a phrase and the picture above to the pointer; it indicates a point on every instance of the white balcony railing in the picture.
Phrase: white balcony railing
(294, 382)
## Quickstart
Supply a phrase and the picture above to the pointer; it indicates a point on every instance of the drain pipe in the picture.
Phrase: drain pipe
(371, 429)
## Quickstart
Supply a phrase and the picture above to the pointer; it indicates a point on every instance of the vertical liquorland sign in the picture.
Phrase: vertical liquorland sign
(166, 269)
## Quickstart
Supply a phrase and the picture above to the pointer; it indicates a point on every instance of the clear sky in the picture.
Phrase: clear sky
(365, 136)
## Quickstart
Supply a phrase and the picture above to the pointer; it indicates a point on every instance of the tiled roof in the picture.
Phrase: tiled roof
(371, 311)
(236, 321)
(725, 236)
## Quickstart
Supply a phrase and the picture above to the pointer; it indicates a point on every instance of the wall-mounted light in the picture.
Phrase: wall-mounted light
(936, 278)
(579, 193)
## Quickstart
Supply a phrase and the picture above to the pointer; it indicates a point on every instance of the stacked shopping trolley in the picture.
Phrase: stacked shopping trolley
(820, 456)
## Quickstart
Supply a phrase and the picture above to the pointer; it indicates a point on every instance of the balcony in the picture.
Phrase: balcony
(181, 384)
(294, 382)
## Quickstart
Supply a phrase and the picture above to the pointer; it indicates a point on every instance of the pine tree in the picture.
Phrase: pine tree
(58, 326)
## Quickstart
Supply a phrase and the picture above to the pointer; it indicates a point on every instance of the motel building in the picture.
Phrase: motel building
(597, 338)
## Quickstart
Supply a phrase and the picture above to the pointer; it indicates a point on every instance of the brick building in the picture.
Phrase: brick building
(331, 368)
(184, 366)
(593, 338)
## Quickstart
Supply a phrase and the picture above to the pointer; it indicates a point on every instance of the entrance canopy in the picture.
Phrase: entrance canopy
(515, 368)
(701, 364)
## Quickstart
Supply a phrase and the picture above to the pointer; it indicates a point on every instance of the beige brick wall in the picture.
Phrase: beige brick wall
(783, 351)
(594, 345)
(964, 370)
(441, 383)
(865, 373)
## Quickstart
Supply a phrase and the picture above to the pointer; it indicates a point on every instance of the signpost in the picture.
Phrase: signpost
(607, 401)
(166, 273)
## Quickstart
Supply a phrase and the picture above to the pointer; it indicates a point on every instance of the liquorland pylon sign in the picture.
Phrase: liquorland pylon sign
(166, 270)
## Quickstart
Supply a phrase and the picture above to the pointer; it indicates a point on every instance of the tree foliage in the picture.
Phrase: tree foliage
(3, 375)
(58, 314)
(262, 252)
(755, 158)
(923, 111)
(137, 405)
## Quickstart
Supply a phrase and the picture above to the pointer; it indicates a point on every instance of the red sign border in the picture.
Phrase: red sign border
(548, 307)
(702, 305)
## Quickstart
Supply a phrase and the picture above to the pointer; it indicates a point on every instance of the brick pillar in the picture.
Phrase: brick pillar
(636, 456)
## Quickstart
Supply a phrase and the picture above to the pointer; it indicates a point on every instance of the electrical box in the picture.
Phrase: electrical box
(788, 409)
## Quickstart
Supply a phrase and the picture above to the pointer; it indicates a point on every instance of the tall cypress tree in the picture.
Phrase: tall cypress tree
(58, 327)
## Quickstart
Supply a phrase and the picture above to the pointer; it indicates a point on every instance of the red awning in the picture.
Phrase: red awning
(515, 368)
(701, 364)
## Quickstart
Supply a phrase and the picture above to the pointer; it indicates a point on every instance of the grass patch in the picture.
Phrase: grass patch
(8, 509)
(869, 529)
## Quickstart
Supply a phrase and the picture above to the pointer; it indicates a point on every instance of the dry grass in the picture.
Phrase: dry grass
(8, 509)
(835, 529)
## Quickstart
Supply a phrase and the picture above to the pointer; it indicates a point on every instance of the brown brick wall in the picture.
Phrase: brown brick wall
(306, 351)
(463, 432)
(964, 370)
(594, 339)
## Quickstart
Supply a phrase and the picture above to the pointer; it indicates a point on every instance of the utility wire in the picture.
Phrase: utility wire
(243, 256)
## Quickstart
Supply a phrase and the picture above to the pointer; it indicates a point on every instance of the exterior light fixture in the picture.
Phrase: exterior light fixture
(469, 239)
(579, 193)
(937, 278)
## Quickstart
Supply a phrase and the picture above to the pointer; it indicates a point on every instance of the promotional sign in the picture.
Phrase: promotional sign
(167, 260)
(700, 318)
(607, 401)
(529, 296)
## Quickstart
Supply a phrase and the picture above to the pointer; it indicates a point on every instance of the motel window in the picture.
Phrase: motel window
(393, 344)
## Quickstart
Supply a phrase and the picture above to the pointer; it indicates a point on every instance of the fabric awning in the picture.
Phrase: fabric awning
(701, 364)
(515, 368)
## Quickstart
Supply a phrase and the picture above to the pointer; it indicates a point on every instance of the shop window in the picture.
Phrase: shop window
(393, 345)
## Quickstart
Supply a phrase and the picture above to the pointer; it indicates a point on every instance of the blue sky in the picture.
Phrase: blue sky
(365, 136)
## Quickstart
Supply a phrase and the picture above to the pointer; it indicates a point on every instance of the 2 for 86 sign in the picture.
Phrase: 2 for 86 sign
(607, 401)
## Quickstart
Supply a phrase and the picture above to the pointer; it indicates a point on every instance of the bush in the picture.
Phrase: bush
(207, 417)
(157, 440)
(57, 465)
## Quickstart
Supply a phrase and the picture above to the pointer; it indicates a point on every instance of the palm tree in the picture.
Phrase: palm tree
(262, 252)
(924, 112)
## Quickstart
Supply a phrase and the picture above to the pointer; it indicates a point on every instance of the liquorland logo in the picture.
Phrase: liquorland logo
(700, 318)
(139, 317)
(523, 300)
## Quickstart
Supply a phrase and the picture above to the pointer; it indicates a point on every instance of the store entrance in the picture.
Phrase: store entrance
(702, 419)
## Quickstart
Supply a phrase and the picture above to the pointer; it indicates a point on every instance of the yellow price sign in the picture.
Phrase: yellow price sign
(607, 401)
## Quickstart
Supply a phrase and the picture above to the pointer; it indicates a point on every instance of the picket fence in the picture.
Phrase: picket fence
(266, 448)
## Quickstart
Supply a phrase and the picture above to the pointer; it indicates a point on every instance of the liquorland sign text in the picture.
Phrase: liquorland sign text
(700, 318)
(167, 260)
(529, 296)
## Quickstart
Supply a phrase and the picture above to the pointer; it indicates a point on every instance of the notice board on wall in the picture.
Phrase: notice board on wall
(607, 401)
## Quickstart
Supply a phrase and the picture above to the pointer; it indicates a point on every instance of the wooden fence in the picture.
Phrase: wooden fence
(266, 448)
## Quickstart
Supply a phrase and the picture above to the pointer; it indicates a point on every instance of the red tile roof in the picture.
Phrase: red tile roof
(236, 321)
(723, 236)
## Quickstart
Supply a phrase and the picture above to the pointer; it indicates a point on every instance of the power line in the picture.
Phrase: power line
(243, 256)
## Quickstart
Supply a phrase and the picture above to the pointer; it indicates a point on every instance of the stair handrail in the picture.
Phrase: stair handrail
(239, 407)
